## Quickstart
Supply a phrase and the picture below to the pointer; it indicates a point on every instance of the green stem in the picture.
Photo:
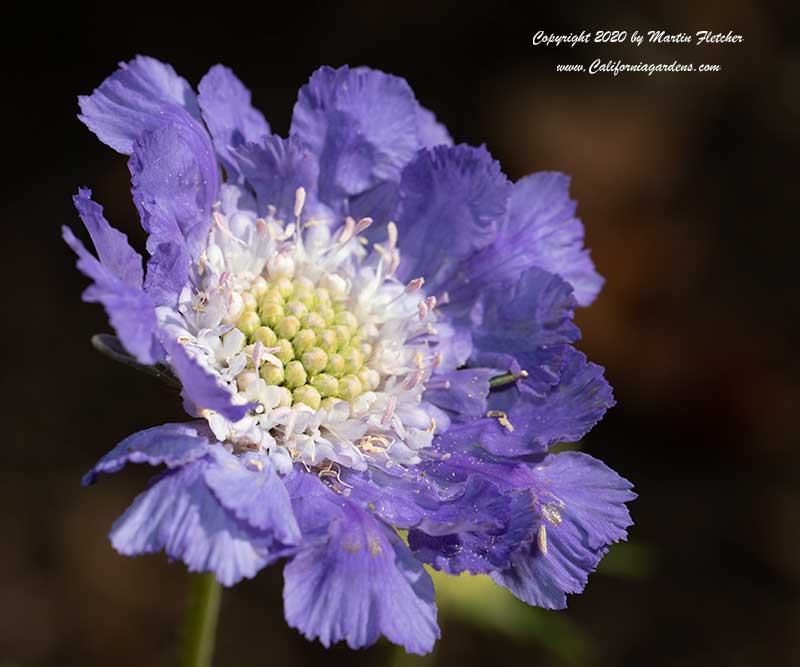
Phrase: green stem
(200, 624)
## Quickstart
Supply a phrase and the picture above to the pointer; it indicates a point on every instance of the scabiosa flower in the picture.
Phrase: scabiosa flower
(372, 329)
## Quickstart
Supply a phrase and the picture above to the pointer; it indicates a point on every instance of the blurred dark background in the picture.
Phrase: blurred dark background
(685, 183)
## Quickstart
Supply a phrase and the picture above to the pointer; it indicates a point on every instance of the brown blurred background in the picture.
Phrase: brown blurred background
(685, 183)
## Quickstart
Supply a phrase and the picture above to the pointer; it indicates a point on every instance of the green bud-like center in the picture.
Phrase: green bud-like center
(318, 350)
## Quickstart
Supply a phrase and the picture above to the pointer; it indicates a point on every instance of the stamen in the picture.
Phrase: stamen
(299, 201)
(410, 288)
(391, 230)
(258, 350)
(438, 385)
(222, 225)
(347, 231)
(422, 308)
(502, 419)
(412, 380)
(363, 224)
(375, 444)
(394, 262)
(542, 535)
(389, 411)
(435, 455)
(507, 378)
(308, 224)
(256, 464)
(431, 302)
(551, 512)
(287, 233)
(336, 474)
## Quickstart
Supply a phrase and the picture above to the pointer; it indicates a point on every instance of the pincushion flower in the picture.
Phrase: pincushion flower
(372, 331)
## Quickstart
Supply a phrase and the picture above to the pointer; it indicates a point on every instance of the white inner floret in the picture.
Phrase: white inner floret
(316, 331)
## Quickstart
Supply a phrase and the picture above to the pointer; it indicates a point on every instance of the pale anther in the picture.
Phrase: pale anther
(299, 201)
(363, 224)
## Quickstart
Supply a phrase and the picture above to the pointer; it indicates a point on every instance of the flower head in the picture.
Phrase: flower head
(372, 329)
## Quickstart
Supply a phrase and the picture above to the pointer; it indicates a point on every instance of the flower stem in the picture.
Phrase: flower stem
(200, 623)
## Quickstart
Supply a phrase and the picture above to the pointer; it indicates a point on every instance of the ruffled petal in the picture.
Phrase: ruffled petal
(541, 211)
(581, 508)
(357, 580)
(361, 123)
(200, 389)
(250, 487)
(438, 505)
(379, 203)
(540, 230)
(228, 114)
(513, 435)
(453, 342)
(140, 96)
(565, 414)
(168, 266)
(130, 310)
(171, 444)
(533, 422)
(453, 198)
(179, 514)
(463, 392)
(175, 184)
(474, 525)
(111, 245)
(431, 133)
(477, 551)
(568, 507)
(274, 168)
(530, 319)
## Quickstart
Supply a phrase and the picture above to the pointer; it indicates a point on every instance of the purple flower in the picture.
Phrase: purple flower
(373, 332)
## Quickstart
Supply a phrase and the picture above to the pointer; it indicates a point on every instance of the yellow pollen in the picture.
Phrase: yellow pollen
(374, 444)
(374, 545)
(432, 427)
(502, 419)
(542, 535)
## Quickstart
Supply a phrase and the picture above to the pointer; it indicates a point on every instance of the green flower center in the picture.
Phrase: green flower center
(317, 348)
